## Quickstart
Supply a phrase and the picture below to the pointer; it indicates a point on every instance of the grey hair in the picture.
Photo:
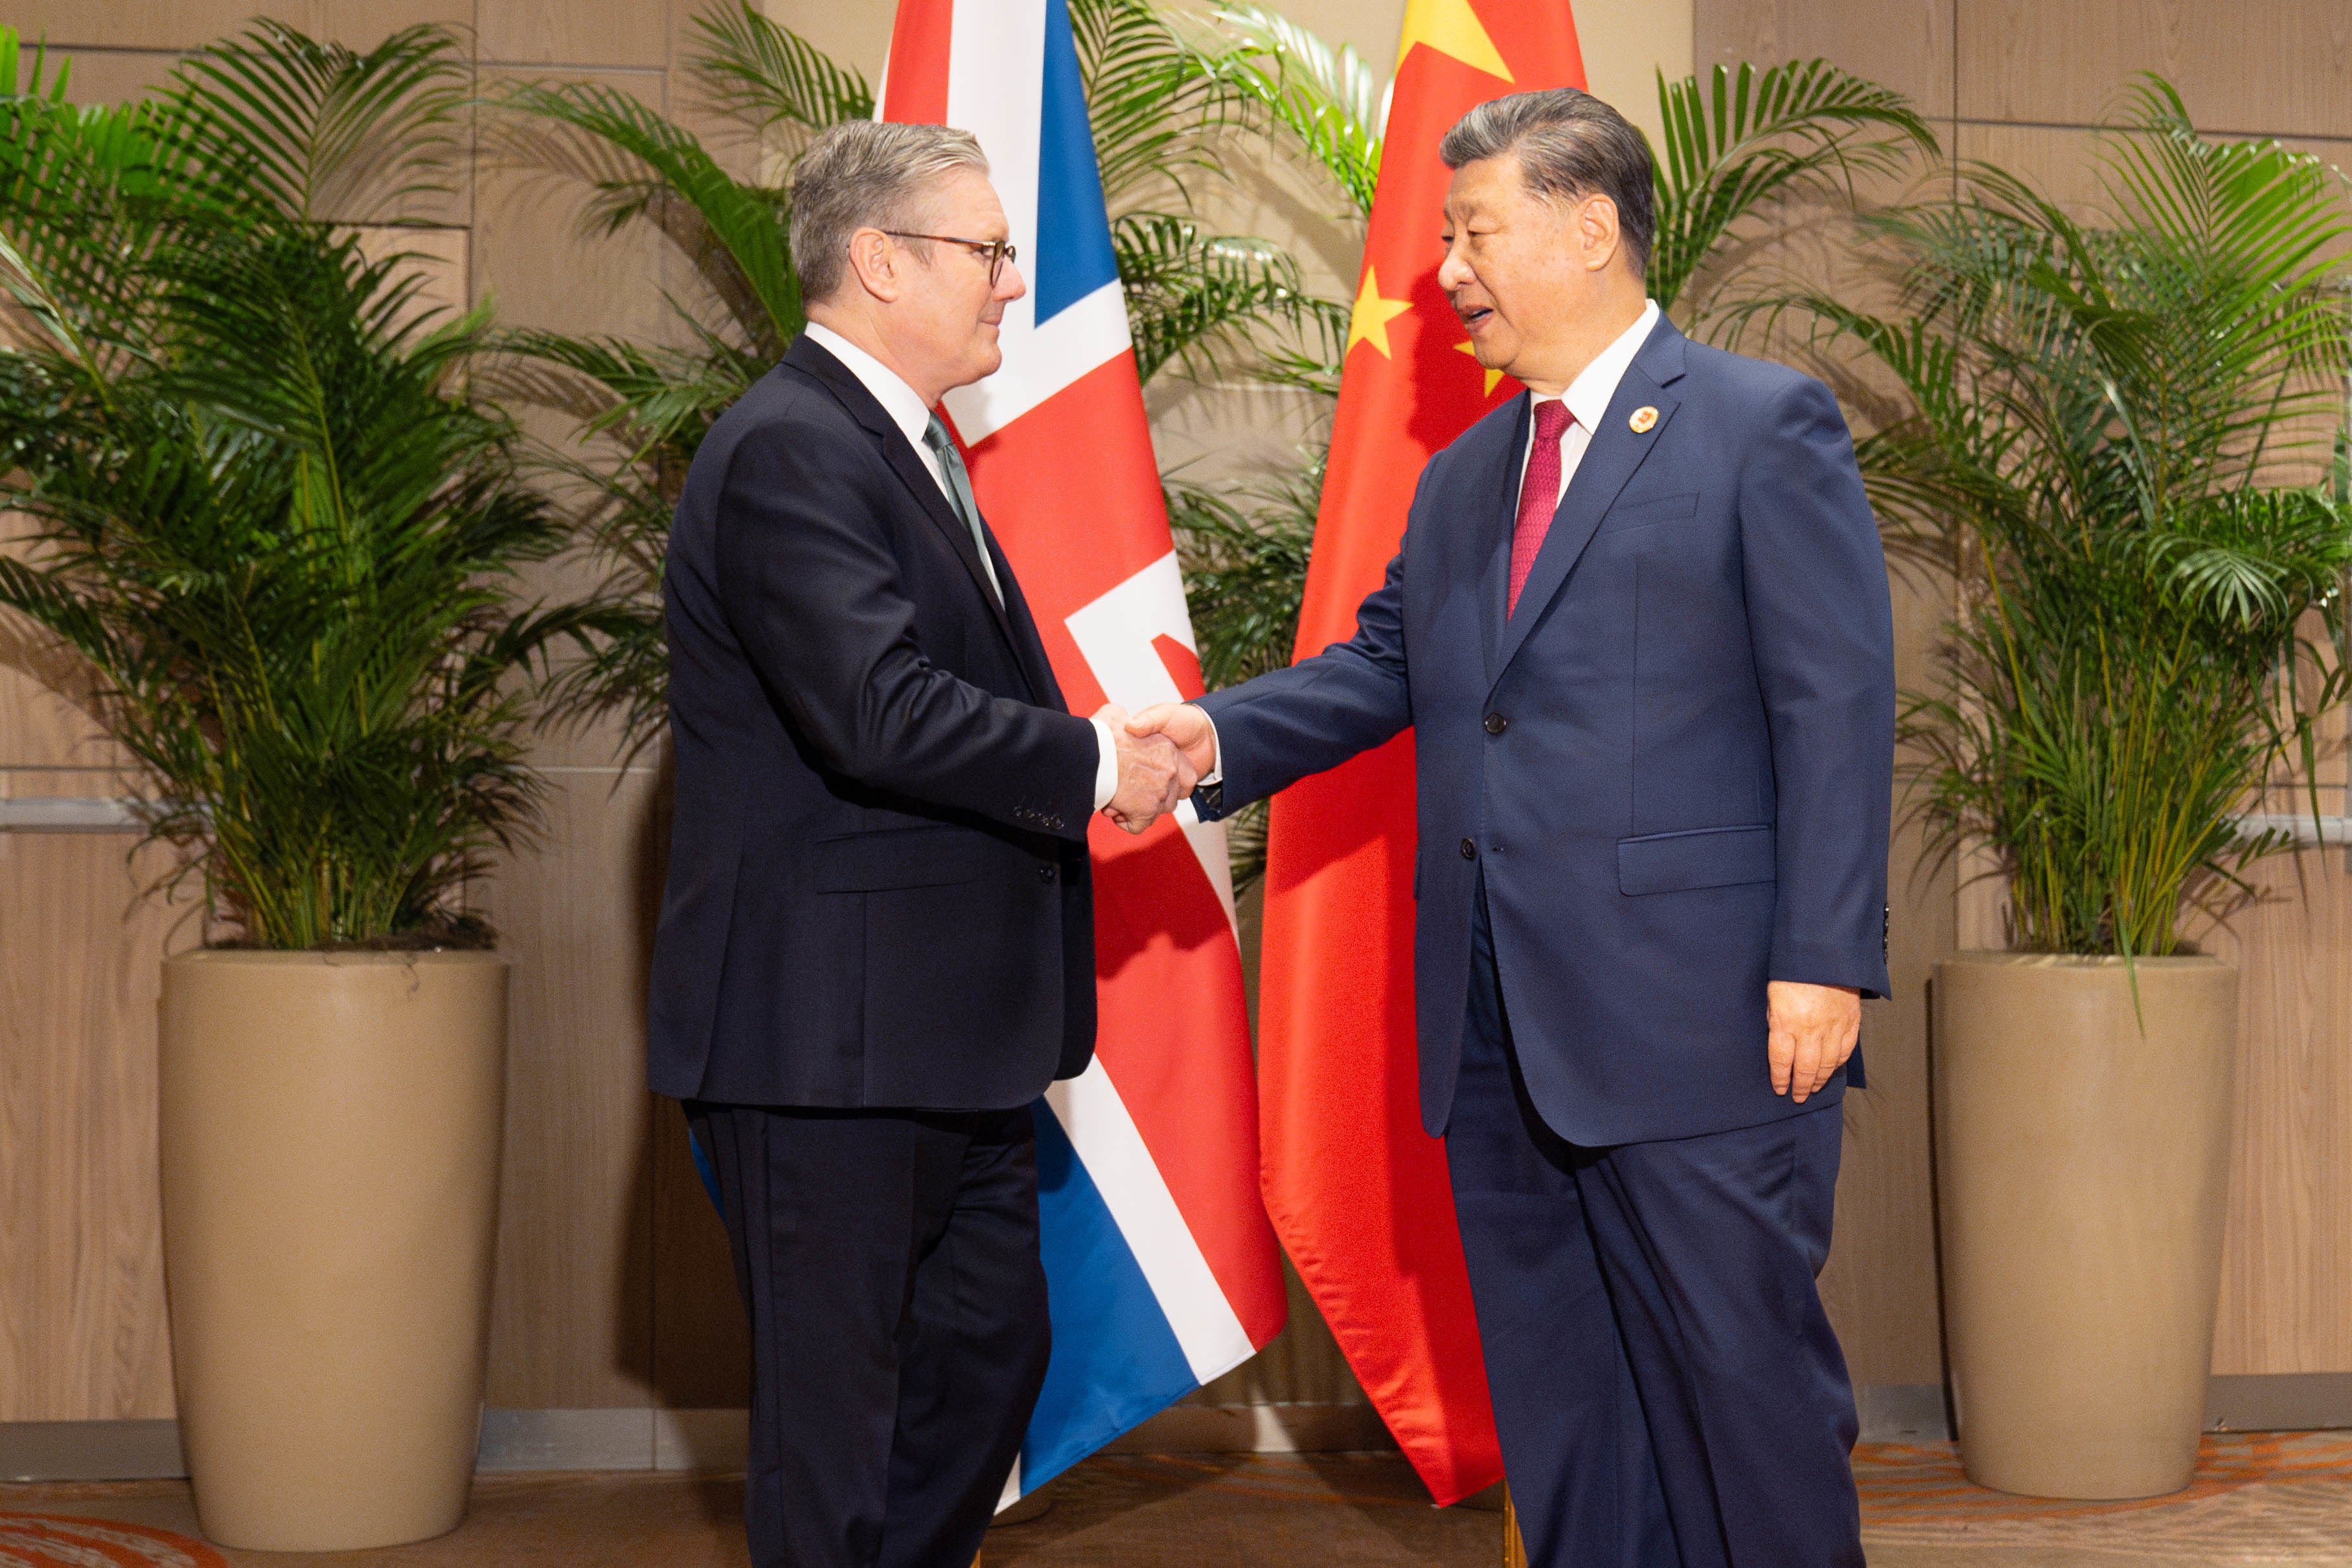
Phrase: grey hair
(1569, 144)
(863, 173)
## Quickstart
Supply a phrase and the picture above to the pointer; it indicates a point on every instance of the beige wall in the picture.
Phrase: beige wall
(613, 1288)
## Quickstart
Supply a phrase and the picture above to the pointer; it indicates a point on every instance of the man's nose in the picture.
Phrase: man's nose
(1010, 285)
(1453, 272)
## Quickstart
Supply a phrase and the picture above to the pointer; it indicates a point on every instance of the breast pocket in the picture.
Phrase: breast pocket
(1635, 513)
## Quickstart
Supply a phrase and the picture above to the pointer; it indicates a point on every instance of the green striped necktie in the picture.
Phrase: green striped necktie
(943, 447)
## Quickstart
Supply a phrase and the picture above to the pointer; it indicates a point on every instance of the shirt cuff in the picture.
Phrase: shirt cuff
(1216, 773)
(1107, 768)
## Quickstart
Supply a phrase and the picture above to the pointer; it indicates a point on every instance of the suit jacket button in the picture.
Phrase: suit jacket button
(1045, 873)
(1469, 849)
(1496, 724)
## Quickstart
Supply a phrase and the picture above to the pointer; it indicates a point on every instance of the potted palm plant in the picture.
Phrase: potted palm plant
(268, 515)
(2106, 405)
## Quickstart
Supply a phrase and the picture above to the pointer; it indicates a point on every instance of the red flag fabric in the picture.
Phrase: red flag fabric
(1358, 1192)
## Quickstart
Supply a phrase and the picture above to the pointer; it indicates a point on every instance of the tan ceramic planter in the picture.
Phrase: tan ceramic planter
(330, 1132)
(2081, 1172)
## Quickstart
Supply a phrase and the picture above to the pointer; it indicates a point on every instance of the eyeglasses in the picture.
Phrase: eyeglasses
(996, 252)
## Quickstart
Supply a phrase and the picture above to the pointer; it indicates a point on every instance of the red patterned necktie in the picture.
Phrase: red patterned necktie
(1539, 495)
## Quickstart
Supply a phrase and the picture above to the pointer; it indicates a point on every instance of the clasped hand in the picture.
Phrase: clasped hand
(1153, 774)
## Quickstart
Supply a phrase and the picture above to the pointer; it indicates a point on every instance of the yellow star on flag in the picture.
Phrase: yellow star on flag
(1493, 375)
(1451, 27)
(1372, 314)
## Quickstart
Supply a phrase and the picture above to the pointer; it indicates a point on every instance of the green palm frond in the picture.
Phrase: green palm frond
(324, 132)
(2249, 558)
(764, 74)
(650, 395)
(1191, 295)
(1152, 104)
(641, 166)
(1245, 557)
(1739, 139)
(85, 193)
(23, 76)
(1328, 99)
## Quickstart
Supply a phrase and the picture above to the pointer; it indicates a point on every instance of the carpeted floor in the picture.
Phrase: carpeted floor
(2259, 1500)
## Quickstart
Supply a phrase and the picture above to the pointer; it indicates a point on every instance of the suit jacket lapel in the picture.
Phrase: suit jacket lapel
(1499, 483)
(1028, 643)
(1611, 458)
(899, 453)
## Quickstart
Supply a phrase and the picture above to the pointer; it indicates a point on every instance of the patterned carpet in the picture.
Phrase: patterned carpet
(2258, 1498)
(53, 1541)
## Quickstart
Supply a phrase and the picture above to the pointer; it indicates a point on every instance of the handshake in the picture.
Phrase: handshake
(1163, 752)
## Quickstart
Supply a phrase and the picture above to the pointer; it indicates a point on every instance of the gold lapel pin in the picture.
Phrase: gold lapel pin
(1644, 417)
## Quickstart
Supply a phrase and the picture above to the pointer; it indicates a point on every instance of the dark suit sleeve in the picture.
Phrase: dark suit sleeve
(813, 592)
(1822, 631)
(1284, 725)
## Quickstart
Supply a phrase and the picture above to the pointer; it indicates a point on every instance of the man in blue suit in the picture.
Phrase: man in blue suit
(1640, 625)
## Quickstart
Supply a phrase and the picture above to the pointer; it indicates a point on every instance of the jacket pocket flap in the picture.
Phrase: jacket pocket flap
(1711, 857)
(1641, 511)
(898, 857)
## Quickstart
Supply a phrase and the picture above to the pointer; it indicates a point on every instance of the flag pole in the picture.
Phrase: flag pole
(1515, 1551)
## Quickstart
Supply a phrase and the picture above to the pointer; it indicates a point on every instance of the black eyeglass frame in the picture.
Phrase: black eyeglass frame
(997, 251)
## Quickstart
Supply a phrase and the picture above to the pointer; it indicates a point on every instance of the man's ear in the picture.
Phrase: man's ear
(1596, 231)
(873, 260)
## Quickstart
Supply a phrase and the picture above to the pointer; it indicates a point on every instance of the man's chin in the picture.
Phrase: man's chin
(1487, 344)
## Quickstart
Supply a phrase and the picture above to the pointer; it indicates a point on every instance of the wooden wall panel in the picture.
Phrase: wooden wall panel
(46, 694)
(1905, 44)
(40, 726)
(572, 1325)
(185, 24)
(110, 76)
(574, 33)
(2286, 1276)
(83, 1336)
(2280, 67)
(530, 257)
(1880, 1284)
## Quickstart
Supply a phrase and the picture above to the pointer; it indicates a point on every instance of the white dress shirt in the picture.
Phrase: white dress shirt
(905, 406)
(1588, 397)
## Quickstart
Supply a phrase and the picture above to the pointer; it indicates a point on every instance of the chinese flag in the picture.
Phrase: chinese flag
(1357, 1190)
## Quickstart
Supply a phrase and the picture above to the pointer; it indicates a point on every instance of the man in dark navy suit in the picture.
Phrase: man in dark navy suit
(877, 945)
(1640, 625)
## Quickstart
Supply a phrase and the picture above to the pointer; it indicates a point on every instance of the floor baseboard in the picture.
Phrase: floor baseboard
(716, 1441)
(648, 1439)
(91, 1451)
